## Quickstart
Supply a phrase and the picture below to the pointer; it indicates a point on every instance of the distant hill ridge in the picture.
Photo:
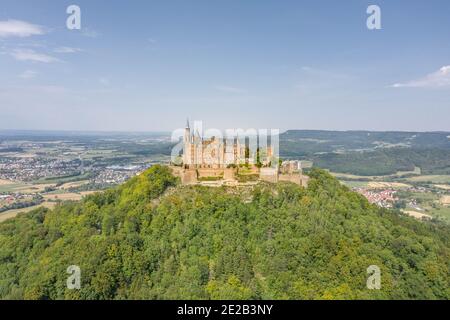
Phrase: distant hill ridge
(370, 139)
(370, 153)
(365, 153)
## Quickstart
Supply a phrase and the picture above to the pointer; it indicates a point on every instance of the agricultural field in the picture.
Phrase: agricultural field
(434, 179)
(22, 187)
(416, 173)
(385, 185)
(417, 215)
(4, 182)
(445, 200)
(66, 196)
(50, 200)
(12, 213)
(443, 186)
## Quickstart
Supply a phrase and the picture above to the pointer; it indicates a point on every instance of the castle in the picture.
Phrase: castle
(219, 153)
(232, 161)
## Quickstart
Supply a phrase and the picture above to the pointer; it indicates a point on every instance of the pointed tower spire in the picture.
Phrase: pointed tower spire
(187, 123)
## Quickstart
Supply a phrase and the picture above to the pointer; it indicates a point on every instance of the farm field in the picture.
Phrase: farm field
(5, 182)
(417, 215)
(67, 196)
(442, 213)
(24, 187)
(445, 200)
(398, 175)
(383, 185)
(436, 179)
(75, 184)
(442, 186)
(50, 201)
(12, 213)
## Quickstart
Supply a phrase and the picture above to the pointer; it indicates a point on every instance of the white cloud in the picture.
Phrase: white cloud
(28, 74)
(440, 78)
(229, 89)
(67, 50)
(31, 55)
(17, 28)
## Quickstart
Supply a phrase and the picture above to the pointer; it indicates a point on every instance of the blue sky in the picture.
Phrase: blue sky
(147, 65)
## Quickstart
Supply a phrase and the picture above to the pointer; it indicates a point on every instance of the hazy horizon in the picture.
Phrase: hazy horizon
(86, 132)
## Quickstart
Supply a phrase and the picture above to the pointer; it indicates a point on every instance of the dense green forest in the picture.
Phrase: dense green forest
(154, 239)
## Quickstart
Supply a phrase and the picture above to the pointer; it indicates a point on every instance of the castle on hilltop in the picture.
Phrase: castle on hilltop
(233, 161)
(217, 153)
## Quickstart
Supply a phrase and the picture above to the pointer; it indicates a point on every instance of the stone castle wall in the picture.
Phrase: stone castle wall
(189, 177)
(206, 172)
(269, 175)
(296, 178)
(229, 174)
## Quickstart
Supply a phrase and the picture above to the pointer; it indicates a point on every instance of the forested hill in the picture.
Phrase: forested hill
(153, 239)
(312, 141)
(369, 153)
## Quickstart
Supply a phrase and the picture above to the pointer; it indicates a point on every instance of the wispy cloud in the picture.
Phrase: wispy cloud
(31, 55)
(440, 78)
(67, 50)
(17, 28)
(229, 89)
(28, 74)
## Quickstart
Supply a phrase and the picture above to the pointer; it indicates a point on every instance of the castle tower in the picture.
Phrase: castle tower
(187, 132)
(187, 145)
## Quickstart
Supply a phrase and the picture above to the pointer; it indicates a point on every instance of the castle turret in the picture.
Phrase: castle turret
(187, 145)
(187, 132)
